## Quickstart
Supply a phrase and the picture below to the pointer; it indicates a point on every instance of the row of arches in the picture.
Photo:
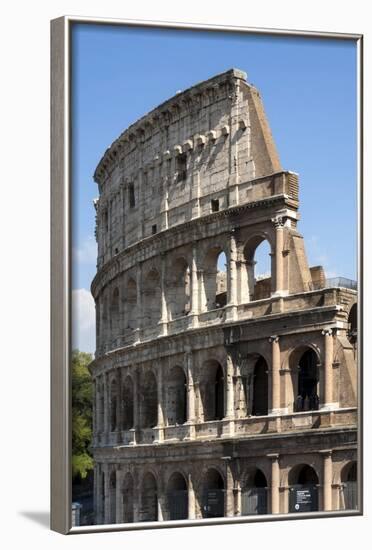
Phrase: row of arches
(252, 394)
(120, 308)
(149, 503)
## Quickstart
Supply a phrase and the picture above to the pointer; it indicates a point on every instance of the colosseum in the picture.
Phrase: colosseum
(217, 392)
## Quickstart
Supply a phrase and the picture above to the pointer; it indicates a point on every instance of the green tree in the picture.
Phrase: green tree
(82, 402)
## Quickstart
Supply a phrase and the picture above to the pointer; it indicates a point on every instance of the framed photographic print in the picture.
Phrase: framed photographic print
(206, 281)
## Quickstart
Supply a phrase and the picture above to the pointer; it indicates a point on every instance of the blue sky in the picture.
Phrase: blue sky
(308, 87)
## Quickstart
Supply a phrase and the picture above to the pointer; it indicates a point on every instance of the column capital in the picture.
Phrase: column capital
(327, 332)
(273, 456)
(326, 453)
(274, 338)
(278, 222)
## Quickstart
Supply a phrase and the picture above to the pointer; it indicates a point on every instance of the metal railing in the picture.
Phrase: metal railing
(340, 282)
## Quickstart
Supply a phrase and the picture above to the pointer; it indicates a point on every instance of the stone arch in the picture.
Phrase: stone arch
(213, 494)
(113, 405)
(303, 482)
(214, 279)
(128, 403)
(149, 400)
(306, 377)
(130, 305)
(257, 285)
(149, 498)
(254, 492)
(151, 299)
(176, 396)
(177, 497)
(260, 394)
(213, 390)
(112, 487)
(127, 496)
(349, 486)
(352, 322)
(179, 289)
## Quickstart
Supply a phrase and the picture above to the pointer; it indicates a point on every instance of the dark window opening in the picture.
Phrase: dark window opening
(154, 229)
(307, 398)
(260, 389)
(181, 167)
(132, 199)
(116, 251)
(215, 205)
(219, 395)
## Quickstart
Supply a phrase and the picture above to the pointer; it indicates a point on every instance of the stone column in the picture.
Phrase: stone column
(119, 405)
(275, 483)
(191, 498)
(275, 375)
(229, 503)
(160, 424)
(94, 410)
(279, 264)
(232, 280)
(194, 289)
(229, 385)
(136, 408)
(164, 309)
(190, 387)
(327, 480)
(328, 372)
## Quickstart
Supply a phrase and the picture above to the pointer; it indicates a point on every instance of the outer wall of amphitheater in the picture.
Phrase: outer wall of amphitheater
(216, 392)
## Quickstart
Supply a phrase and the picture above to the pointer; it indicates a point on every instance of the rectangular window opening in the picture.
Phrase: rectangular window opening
(132, 199)
(215, 205)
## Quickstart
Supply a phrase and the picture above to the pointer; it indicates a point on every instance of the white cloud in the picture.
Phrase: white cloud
(86, 253)
(83, 320)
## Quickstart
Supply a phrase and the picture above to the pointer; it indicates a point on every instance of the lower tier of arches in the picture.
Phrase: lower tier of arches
(228, 487)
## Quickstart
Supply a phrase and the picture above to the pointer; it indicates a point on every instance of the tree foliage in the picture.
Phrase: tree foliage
(82, 403)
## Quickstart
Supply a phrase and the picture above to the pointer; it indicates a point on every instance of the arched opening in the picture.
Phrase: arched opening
(130, 306)
(176, 397)
(178, 291)
(349, 494)
(149, 401)
(112, 497)
(254, 494)
(114, 313)
(221, 281)
(213, 391)
(257, 278)
(213, 495)
(303, 484)
(353, 324)
(177, 497)
(128, 404)
(260, 388)
(215, 279)
(151, 299)
(113, 405)
(149, 498)
(307, 398)
(127, 498)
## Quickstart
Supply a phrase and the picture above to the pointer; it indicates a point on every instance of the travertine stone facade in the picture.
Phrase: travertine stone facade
(217, 393)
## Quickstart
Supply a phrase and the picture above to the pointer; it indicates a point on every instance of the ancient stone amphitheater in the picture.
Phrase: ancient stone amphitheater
(217, 392)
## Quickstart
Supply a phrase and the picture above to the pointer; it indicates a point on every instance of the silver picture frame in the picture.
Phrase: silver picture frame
(61, 268)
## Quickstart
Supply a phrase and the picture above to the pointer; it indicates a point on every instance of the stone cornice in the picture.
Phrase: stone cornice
(183, 228)
(176, 104)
